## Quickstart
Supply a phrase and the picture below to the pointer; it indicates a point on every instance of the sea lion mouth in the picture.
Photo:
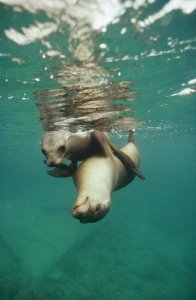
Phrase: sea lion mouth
(51, 165)
(89, 220)
(83, 221)
(56, 165)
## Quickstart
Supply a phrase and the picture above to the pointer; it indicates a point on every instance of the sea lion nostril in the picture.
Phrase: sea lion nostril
(97, 209)
(77, 214)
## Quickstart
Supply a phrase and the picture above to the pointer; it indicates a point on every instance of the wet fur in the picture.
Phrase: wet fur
(96, 178)
(58, 145)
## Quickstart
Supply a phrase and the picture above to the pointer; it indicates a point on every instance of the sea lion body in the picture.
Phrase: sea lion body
(58, 145)
(96, 178)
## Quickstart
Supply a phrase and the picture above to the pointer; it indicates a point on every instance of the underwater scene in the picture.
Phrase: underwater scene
(111, 66)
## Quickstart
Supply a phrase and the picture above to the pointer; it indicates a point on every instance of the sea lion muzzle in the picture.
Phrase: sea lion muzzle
(80, 211)
(86, 212)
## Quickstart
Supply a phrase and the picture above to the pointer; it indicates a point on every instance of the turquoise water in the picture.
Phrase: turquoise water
(144, 249)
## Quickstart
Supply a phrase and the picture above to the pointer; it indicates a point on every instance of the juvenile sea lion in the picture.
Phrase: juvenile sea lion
(98, 176)
(58, 145)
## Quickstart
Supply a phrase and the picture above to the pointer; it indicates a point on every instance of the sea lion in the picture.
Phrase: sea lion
(98, 176)
(58, 145)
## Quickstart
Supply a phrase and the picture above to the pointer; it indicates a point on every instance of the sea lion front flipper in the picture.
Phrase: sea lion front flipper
(101, 142)
(63, 170)
(127, 161)
(106, 147)
(60, 173)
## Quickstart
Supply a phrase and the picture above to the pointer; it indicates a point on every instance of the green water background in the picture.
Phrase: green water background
(145, 247)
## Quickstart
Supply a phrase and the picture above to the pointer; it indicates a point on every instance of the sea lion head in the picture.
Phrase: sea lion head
(90, 210)
(53, 146)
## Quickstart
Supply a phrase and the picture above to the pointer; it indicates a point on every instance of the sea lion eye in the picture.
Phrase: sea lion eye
(62, 149)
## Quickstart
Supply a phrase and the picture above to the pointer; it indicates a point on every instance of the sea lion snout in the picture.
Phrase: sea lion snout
(54, 161)
(79, 211)
(90, 212)
(53, 158)
(53, 147)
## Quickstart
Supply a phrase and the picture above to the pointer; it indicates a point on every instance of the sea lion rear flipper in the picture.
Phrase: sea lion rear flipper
(131, 136)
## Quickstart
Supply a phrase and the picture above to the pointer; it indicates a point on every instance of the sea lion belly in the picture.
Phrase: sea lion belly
(96, 174)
